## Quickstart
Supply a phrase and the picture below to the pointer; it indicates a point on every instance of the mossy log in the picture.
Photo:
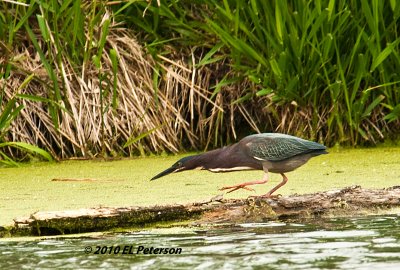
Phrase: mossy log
(348, 201)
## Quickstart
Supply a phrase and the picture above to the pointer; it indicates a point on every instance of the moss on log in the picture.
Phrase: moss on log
(347, 201)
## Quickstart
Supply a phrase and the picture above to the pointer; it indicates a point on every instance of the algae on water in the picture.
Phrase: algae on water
(127, 182)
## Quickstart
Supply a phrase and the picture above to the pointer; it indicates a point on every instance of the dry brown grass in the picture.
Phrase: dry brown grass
(180, 110)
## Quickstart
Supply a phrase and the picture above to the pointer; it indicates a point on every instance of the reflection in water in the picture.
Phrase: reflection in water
(345, 243)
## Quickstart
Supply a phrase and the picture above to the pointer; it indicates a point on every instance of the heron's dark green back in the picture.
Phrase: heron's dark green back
(276, 147)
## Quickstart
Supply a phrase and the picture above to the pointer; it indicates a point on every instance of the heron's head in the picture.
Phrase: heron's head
(186, 163)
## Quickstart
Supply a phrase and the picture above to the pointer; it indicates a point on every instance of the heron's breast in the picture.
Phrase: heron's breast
(286, 165)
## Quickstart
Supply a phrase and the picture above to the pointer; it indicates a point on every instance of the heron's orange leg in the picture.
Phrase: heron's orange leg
(284, 181)
(244, 185)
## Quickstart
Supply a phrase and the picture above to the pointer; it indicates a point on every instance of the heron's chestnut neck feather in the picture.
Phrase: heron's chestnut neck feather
(225, 158)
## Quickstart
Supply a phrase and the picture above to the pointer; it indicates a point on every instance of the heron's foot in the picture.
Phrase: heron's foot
(268, 195)
(236, 187)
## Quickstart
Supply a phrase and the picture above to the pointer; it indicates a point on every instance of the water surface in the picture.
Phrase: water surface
(338, 243)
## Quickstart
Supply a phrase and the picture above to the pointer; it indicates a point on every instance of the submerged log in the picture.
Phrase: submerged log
(348, 201)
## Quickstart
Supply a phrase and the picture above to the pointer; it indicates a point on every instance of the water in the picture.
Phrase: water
(339, 243)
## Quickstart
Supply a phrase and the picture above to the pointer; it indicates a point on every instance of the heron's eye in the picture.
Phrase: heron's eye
(178, 164)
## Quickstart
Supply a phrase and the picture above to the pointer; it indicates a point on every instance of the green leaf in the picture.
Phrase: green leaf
(384, 54)
(6, 160)
(237, 43)
(275, 68)
(43, 27)
(45, 62)
(96, 61)
(25, 82)
(393, 4)
(207, 58)
(50, 71)
(373, 104)
(103, 39)
(128, 4)
(114, 61)
(9, 113)
(279, 22)
(362, 133)
(41, 99)
(33, 98)
(141, 136)
(243, 98)
(394, 114)
(264, 92)
(28, 147)
(224, 82)
(331, 7)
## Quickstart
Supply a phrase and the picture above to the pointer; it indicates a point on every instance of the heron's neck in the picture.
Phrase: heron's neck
(229, 158)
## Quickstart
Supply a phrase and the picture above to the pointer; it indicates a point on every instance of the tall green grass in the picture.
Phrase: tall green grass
(341, 56)
(336, 62)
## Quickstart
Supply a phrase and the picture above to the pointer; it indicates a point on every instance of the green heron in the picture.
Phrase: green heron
(271, 152)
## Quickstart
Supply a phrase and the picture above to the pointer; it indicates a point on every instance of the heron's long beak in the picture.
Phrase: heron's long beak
(167, 171)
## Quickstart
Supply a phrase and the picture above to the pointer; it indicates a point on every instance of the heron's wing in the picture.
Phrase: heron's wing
(276, 148)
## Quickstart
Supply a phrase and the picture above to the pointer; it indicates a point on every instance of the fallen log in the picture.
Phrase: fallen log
(347, 201)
